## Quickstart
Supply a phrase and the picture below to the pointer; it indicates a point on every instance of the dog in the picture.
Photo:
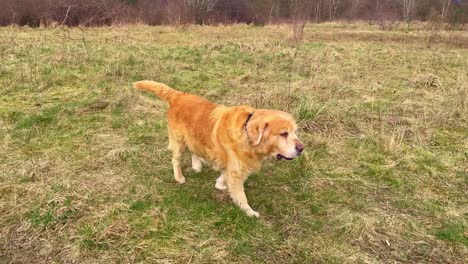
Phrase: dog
(235, 140)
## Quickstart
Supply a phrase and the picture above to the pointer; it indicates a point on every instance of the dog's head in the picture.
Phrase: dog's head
(274, 133)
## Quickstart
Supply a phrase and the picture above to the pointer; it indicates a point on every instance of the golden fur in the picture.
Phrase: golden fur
(215, 134)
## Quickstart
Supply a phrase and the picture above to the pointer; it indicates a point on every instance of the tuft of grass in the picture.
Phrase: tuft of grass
(42, 119)
(52, 214)
(452, 231)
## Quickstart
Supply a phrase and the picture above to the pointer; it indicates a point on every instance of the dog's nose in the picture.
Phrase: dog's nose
(300, 147)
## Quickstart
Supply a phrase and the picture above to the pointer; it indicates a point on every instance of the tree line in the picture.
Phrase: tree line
(156, 12)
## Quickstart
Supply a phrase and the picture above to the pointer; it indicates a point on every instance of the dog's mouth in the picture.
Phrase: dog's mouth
(279, 156)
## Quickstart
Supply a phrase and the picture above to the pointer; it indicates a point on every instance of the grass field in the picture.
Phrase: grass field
(85, 176)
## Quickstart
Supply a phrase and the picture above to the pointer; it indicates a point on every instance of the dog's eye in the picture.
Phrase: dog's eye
(285, 134)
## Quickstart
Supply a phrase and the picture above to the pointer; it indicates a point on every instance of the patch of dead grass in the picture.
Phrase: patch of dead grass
(86, 176)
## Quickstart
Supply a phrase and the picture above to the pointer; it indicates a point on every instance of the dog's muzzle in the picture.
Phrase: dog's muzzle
(279, 156)
(299, 150)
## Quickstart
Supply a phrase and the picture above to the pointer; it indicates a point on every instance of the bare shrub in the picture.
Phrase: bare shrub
(23, 12)
(260, 11)
(445, 10)
(433, 26)
(200, 9)
(176, 13)
(458, 15)
(298, 30)
(409, 7)
(84, 12)
(333, 7)
(384, 17)
(299, 19)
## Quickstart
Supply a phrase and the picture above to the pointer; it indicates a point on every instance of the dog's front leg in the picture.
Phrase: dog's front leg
(235, 184)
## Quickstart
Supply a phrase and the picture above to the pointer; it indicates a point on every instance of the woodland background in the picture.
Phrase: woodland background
(259, 12)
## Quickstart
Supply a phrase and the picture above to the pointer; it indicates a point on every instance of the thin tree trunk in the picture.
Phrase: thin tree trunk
(318, 6)
(445, 8)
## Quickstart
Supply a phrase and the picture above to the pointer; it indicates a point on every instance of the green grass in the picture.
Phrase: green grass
(453, 232)
(85, 175)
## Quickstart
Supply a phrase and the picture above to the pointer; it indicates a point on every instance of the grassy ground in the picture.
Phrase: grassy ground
(85, 176)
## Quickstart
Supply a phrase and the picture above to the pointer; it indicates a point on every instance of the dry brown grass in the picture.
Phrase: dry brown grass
(85, 174)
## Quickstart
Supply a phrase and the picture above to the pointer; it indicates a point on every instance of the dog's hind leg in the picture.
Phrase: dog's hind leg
(221, 182)
(196, 163)
(177, 146)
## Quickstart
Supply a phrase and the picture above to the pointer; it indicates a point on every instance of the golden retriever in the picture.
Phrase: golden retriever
(234, 140)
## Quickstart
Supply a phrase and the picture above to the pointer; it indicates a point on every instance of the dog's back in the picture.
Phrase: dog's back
(188, 116)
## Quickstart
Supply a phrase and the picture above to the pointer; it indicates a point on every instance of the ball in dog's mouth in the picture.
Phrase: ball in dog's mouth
(279, 156)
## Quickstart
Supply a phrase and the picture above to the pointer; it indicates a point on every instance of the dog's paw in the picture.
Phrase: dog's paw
(196, 163)
(220, 185)
(197, 167)
(252, 213)
(180, 180)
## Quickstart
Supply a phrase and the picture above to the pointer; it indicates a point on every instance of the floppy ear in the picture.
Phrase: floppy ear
(256, 131)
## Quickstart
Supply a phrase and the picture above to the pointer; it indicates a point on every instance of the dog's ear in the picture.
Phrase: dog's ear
(256, 131)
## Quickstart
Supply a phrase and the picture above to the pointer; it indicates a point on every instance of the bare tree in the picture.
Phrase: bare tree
(175, 12)
(354, 8)
(274, 10)
(332, 8)
(445, 9)
(318, 7)
(409, 6)
(379, 17)
(200, 8)
(298, 12)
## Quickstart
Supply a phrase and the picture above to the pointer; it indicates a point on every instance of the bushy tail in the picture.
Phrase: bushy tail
(165, 92)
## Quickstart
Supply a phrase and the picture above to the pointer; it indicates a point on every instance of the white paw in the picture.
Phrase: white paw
(180, 180)
(251, 213)
(220, 184)
(196, 163)
(197, 167)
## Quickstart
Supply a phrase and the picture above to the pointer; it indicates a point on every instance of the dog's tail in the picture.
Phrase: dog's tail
(163, 91)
